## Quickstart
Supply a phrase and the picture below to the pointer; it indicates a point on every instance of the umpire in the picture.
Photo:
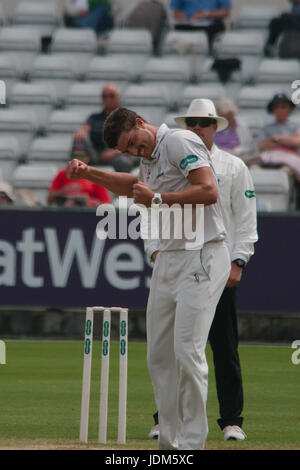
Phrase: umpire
(238, 203)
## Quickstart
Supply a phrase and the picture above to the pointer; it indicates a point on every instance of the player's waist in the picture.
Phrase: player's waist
(169, 248)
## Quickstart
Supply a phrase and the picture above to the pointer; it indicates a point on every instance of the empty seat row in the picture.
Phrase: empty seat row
(126, 68)
(255, 16)
(120, 40)
(42, 95)
(55, 79)
(32, 12)
(273, 190)
(51, 150)
(26, 39)
(31, 183)
(131, 40)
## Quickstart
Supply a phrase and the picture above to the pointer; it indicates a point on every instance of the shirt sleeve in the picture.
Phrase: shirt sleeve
(243, 203)
(187, 152)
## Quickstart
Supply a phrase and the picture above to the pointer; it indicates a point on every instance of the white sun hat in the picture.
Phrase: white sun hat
(202, 108)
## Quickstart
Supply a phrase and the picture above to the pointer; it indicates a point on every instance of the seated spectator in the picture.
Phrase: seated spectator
(81, 192)
(279, 142)
(92, 131)
(285, 22)
(152, 15)
(237, 138)
(6, 194)
(94, 14)
(207, 15)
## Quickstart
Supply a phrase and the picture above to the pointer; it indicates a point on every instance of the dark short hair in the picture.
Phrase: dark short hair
(279, 98)
(120, 120)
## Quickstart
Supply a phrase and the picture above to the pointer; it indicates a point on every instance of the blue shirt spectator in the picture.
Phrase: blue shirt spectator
(190, 7)
(207, 15)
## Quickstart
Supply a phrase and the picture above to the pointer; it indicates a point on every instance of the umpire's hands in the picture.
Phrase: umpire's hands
(142, 194)
(77, 169)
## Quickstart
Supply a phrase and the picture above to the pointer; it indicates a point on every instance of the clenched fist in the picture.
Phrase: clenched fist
(142, 194)
(77, 169)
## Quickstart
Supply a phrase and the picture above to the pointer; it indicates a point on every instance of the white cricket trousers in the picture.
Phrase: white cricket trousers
(184, 292)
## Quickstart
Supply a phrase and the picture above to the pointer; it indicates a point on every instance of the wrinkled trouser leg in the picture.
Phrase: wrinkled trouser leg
(184, 292)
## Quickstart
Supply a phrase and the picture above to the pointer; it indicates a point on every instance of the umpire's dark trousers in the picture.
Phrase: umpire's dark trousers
(223, 338)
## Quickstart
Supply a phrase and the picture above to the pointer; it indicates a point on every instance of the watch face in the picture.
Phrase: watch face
(239, 262)
(156, 200)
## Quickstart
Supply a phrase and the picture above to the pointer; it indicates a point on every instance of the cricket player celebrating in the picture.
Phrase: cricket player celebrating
(237, 197)
(186, 283)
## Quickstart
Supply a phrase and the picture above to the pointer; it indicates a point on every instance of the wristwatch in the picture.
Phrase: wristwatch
(239, 262)
(156, 201)
(276, 138)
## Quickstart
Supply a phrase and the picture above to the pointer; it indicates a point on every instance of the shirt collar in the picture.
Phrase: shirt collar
(161, 133)
(213, 150)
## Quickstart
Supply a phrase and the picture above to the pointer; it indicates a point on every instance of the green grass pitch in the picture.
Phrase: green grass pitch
(40, 397)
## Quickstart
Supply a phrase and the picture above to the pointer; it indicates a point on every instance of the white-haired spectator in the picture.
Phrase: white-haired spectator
(237, 138)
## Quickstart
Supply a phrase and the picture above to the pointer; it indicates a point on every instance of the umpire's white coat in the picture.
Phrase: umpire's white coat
(237, 196)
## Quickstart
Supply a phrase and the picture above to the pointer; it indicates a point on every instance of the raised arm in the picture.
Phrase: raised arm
(118, 183)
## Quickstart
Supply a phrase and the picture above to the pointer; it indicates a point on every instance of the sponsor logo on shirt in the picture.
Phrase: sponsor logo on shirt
(249, 193)
(187, 161)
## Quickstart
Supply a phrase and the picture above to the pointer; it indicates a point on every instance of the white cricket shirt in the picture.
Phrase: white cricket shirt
(177, 152)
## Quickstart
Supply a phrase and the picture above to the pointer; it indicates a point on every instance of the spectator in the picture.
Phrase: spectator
(236, 138)
(6, 194)
(207, 15)
(92, 132)
(152, 15)
(95, 14)
(285, 22)
(70, 193)
(279, 142)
